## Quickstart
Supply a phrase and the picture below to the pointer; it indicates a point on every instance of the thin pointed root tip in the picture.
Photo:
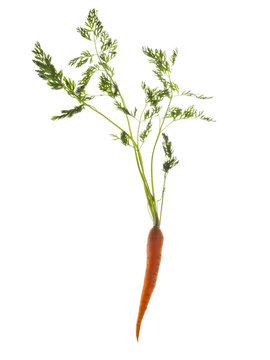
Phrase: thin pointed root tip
(137, 334)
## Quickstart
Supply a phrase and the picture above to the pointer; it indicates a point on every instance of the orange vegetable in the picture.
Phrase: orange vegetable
(156, 121)
(154, 250)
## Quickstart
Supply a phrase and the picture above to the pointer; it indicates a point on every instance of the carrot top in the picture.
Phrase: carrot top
(158, 110)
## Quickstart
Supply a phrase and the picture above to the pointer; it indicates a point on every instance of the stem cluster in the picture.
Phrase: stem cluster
(104, 52)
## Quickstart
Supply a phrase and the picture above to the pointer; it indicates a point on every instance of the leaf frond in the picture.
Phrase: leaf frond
(198, 96)
(46, 69)
(144, 134)
(180, 114)
(68, 113)
(171, 161)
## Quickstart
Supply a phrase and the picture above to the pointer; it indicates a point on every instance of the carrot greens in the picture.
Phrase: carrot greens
(158, 107)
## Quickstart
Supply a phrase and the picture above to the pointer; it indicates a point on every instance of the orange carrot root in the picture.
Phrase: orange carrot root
(154, 250)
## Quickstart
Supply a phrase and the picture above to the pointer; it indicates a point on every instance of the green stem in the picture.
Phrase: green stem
(162, 199)
(146, 187)
(138, 157)
(165, 127)
(153, 152)
(100, 113)
(139, 125)
(123, 102)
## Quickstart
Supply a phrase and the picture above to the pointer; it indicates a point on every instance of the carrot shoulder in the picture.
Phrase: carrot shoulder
(154, 250)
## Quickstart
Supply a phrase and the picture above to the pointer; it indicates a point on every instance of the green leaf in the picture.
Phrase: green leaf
(173, 86)
(121, 108)
(155, 96)
(93, 23)
(171, 160)
(68, 113)
(46, 69)
(146, 132)
(167, 146)
(94, 30)
(158, 58)
(169, 164)
(115, 137)
(134, 112)
(174, 56)
(85, 33)
(161, 77)
(82, 59)
(74, 61)
(87, 75)
(198, 96)
(70, 86)
(180, 114)
(150, 113)
(108, 86)
(124, 138)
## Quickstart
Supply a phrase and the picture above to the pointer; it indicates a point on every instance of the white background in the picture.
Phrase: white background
(74, 221)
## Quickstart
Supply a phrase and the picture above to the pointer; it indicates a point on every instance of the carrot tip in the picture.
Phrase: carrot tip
(137, 335)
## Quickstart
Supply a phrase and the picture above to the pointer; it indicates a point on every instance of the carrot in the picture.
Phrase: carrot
(104, 49)
(154, 249)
